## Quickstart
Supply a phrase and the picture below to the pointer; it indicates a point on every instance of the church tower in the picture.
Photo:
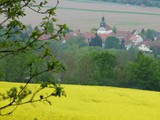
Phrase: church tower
(103, 22)
(103, 27)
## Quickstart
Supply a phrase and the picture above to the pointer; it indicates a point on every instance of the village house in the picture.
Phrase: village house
(144, 46)
(130, 38)
(135, 37)
(104, 31)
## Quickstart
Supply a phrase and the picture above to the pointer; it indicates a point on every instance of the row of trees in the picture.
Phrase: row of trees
(97, 66)
(149, 34)
(110, 42)
(152, 3)
(90, 65)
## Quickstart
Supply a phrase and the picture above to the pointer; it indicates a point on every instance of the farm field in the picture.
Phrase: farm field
(86, 14)
(91, 103)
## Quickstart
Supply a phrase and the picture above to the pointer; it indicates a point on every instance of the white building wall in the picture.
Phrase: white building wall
(144, 48)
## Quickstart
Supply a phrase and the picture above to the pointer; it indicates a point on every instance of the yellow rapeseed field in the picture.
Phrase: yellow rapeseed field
(91, 103)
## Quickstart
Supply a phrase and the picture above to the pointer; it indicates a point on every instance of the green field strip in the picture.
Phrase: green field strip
(108, 11)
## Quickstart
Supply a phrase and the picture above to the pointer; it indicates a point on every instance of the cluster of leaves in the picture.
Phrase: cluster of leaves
(17, 96)
(16, 40)
(12, 94)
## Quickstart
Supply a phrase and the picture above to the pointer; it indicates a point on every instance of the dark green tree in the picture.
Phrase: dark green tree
(94, 30)
(77, 40)
(150, 34)
(114, 29)
(146, 73)
(122, 45)
(112, 42)
(97, 41)
(104, 63)
(143, 73)
(86, 69)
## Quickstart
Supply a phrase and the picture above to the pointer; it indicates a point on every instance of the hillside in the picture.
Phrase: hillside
(79, 14)
(91, 103)
(86, 15)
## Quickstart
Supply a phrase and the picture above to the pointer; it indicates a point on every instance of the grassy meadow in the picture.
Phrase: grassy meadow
(91, 103)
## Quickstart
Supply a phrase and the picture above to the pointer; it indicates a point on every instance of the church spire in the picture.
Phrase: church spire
(103, 22)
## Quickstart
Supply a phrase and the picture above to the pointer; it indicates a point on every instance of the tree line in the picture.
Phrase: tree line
(151, 3)
(93, 65)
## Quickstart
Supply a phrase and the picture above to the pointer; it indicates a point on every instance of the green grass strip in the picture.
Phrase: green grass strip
(108, 11)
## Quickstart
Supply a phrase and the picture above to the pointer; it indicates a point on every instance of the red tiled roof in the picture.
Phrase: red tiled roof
(147, 43)
(68, 35)
(124, 34)
(155, 43)
(151, 43)
(104, 36)
(89, 35)
(108, 27)
(77, 32)
(134, 37)
(73, 33)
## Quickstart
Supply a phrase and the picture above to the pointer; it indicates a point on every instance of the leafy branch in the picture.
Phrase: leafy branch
(10, 47)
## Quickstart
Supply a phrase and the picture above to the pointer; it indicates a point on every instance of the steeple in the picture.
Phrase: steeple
(104, 28)
(103, 22)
